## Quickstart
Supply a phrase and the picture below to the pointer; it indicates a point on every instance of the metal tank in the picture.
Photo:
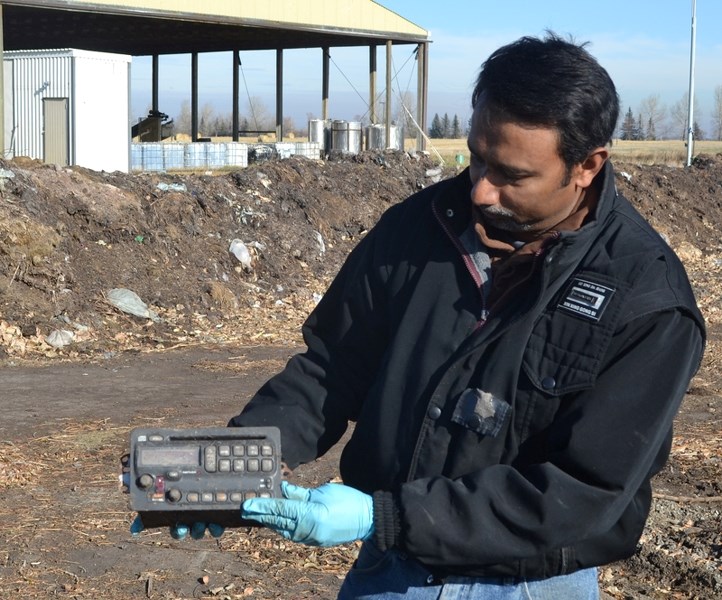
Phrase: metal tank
(354, 137)
(339, 136)
(375, 136)
(317, 129)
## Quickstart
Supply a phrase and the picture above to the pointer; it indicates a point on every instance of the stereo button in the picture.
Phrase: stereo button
(210, 459)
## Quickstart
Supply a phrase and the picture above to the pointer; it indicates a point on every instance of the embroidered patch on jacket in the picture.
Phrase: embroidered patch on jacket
(586, 299)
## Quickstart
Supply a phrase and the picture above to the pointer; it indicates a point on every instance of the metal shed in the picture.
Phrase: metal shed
(155, 27)
(62, 105)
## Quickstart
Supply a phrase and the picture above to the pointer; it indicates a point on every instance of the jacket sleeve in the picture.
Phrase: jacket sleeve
(320, 391)
(603, 446)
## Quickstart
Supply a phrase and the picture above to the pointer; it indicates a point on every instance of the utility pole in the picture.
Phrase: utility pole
(690, 113)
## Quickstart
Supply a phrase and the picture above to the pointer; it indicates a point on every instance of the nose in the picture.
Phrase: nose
(483, 193)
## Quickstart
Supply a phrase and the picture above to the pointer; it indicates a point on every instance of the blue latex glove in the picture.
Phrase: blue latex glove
(325, 516)
(180, 531)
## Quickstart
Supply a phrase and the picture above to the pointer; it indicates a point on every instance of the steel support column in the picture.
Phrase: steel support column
(194, 96)
(324, 84)
(423, 94)
(236, 67)
(388, 94)
(279, 95)
(5, 147)
(372, 84)
(154, 84)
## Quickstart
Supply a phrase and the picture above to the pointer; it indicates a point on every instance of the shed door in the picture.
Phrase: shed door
(55, 134)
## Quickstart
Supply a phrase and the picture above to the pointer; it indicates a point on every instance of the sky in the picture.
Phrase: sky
(645, 45)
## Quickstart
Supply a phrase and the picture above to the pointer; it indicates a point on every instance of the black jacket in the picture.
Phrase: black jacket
(520, 445)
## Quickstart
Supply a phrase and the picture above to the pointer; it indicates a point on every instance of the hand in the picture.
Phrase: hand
(180, 531)
(325, 516)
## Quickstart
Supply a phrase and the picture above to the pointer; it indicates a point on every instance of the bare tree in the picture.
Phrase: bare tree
(405, 109)
(717, 113)
(205, 119)
(259, 116)
(210, 123)
(289, 127)
(653, 115)
(680, 115)
(183, 120)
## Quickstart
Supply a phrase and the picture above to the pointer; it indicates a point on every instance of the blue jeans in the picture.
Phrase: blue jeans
(392, 575)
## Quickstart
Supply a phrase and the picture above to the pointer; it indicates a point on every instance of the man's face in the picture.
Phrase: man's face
(520, 182)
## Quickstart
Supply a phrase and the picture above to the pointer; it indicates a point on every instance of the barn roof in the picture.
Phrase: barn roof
(144, 27)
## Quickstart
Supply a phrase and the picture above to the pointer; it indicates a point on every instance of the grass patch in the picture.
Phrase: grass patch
(659, 152)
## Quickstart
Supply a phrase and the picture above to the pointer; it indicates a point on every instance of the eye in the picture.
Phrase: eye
(509, 178)
(476, 161)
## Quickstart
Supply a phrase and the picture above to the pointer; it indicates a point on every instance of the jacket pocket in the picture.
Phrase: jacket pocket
(481, 412)
(566, 348)
(564, 356)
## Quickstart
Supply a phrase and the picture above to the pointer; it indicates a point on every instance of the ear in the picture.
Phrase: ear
(588, 169)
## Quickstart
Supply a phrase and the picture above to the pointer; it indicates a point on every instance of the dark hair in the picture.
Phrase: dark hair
(554, 83)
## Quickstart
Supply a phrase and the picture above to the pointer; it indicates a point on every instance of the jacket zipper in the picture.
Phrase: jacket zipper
(468, 263)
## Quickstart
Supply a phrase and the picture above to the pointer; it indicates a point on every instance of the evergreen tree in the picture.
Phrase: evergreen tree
(628, 130)
(639, 133)
(446, 126)
(436, 130)
(456, 128)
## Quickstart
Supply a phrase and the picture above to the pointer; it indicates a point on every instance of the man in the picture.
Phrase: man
(512, 345)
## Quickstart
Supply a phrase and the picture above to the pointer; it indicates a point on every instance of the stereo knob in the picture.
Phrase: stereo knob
(174, 495)
(145, 481)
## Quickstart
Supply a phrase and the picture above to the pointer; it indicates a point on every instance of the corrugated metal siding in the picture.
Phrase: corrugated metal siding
(8, 108)
(37, 76)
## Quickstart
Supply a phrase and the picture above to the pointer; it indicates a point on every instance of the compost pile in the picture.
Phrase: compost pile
(240, 256)
(94, 265)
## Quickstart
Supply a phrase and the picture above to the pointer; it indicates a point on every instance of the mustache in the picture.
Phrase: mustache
(502, 218)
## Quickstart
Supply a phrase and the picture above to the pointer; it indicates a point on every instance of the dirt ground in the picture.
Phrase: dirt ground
(79, 372)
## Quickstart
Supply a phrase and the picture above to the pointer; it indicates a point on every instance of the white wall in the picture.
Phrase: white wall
(102, 133)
